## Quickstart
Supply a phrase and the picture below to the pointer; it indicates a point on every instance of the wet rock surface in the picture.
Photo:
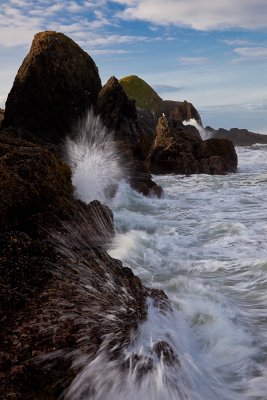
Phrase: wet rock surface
(182, 151)
(240, 137)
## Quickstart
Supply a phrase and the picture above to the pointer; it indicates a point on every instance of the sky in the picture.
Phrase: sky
(211, 53)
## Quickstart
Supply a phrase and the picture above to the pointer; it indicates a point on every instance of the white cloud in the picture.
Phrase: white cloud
(198, 14)
(252, 52)
(107, 51)
(237, 42)
(192, 60)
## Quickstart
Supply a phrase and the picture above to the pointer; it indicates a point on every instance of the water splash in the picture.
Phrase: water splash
(203, 133)
(95, 160)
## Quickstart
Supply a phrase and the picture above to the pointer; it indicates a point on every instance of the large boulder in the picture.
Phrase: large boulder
(55, 85)
(180, 150)
(217, 156)
(119, 115)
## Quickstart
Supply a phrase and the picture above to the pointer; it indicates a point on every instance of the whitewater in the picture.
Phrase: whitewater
(205, 245)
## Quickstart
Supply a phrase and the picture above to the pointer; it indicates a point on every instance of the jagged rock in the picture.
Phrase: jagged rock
(118, 114)
(56, 303)
(55, 85)
(180, 111)
(240, 137)
(151, 104)
(173, 150)
(182, 151)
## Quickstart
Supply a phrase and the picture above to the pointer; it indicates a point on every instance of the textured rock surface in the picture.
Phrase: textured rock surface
(220, 154)
(180, 150)
(240, 137)
(118, 114)
(54, 308)
(56, 83)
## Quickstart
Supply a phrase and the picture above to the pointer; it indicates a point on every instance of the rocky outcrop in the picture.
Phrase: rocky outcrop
(63, 299)
(151, 106)
(180, 150)
(2, 114)
(217, 156)
(240, 137)
(119, 115)
(55, 85)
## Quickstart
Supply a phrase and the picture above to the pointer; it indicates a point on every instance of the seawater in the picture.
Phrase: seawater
(205, 245)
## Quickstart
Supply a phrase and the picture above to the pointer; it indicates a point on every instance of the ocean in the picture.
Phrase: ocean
(204, 243)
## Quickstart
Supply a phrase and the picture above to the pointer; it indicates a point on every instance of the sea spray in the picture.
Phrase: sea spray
(95, 160)
(203, 132)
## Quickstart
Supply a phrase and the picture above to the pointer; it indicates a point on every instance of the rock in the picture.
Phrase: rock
(35, 187)
(173, 150)
(36, 194)
(180, 111)
(144, 95)
(55, 85)
(182, 151)
(118, 114)
(150, 103)
(2, 114)
(56, 306)
(220, 155)
(240, 137)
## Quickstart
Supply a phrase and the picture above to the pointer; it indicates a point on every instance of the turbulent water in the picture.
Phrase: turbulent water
(205, 245)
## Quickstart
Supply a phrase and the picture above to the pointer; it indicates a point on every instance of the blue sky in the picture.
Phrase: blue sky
(212, 53)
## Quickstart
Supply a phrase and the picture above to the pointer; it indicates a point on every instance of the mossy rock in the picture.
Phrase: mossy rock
(137, 89)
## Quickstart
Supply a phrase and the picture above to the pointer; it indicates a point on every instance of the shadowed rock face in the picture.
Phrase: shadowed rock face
(182, 151)
(55, 85)
(118, 114)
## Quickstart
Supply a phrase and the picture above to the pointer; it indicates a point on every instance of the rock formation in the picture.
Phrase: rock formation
(151, 106)
(240, 137)
(118, 114)
(62, 297)
(55, 85)
(181, 151)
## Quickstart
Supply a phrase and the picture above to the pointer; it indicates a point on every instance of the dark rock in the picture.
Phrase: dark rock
(240, 137)
(55, 306)
(182, 151)
(55, 85)
(35, 187)
(2, 114)
(173, 150)
(220, 154)
(118, 114)
(180, 111)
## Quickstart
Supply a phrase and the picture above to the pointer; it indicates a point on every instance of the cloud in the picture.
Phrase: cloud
(107, 51)
(252, 52)
(161, 88)
(198, 14)
(192, 60)
(237, 42)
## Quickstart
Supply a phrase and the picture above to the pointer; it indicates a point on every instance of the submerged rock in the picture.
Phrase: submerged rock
(181, 151)
(55, 85)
